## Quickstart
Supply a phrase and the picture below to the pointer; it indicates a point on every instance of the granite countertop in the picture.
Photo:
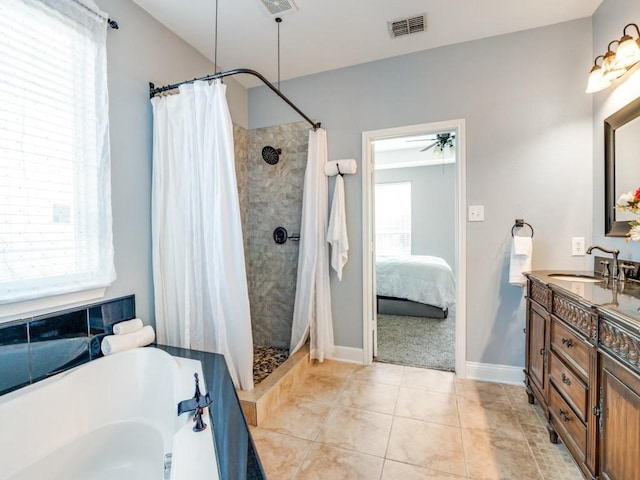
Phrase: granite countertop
(237, 455)
(624, 300)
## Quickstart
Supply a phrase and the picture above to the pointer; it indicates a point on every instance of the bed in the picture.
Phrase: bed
(416, 285)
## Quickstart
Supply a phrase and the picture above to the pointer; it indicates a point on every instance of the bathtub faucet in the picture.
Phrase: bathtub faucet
(197, 405)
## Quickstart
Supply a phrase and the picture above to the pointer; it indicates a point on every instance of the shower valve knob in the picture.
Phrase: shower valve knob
(280, 235)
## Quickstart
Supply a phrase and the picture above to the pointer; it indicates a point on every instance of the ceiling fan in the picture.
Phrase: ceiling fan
(442, 141)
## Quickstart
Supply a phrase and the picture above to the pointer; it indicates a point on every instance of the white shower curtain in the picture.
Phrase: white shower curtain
(199, 276)
(312, 307)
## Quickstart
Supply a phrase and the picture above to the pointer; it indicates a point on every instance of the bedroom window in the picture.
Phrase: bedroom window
(55, 192)
(393, 218)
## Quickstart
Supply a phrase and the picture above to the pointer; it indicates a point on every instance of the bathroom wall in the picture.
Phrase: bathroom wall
(529, 154)
(608, 22)
(143, 50)
(275, 199)
(433, 198)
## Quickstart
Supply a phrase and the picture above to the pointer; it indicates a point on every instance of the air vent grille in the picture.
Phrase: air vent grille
(279, 7)
(407, 26)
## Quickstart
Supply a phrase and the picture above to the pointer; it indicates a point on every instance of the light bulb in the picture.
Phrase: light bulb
(610, 66)
(628, 52)
(597, 80)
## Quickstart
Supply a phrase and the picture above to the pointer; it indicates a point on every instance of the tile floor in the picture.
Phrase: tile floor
(389, 422)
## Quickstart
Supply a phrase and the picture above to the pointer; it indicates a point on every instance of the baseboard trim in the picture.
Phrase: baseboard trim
(348, 354)
(495, 373)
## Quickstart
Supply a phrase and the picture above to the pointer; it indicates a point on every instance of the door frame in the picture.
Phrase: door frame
(368, 235)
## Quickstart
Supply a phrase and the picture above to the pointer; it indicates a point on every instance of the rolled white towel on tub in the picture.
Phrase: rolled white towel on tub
(119, 343)
(128, 326)
(346, 166)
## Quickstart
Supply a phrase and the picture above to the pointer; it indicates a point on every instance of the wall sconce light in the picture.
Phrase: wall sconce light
(615, 64)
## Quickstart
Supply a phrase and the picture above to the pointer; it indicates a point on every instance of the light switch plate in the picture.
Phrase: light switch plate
(476, 213)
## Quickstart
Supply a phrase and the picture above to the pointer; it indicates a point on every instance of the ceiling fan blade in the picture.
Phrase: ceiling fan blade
(430, 146)
(421, 140)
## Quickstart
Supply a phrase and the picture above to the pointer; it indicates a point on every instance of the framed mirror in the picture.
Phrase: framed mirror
(621, 165)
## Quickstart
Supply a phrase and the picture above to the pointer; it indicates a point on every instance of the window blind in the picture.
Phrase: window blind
(55, 204)
(393, 218)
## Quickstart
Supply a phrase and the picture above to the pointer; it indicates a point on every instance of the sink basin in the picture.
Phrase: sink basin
(575, 277)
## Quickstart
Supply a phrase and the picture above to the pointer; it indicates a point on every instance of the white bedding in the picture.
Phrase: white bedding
(419, 278)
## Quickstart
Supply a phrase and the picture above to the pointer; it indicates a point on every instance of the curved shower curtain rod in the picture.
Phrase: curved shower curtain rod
(153, 91)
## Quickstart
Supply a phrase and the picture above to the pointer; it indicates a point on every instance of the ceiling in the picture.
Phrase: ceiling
(329, 34)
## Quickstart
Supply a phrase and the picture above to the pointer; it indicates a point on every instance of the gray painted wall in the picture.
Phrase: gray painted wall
(608, 22)
(433, 199)
(142, 50)
(529, 152)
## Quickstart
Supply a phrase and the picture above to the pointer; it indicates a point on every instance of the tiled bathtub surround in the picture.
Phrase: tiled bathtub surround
(14, 357)
(34, 348)
(275, 199)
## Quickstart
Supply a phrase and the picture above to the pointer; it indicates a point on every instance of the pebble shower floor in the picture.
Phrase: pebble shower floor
(266, 360)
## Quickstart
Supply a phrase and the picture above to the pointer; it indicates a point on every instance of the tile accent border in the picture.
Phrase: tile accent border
(34, 348)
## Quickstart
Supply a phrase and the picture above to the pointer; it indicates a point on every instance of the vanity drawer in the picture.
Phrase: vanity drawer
(568, 425)
(572, 388)
(571, 348)
(583, 319)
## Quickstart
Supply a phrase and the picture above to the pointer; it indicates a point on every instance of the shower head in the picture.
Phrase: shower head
(271, 155)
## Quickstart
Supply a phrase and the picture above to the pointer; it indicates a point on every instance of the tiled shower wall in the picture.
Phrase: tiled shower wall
(274, 198)
(241, 146)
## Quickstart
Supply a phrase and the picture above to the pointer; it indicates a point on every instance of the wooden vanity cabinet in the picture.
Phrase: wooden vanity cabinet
(573, 377)
(537, 339)
(582, 364)
(619, 439)
(619, 430)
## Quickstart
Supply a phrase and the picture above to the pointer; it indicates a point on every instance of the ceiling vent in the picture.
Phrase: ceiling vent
(279, 7)
(407, 26)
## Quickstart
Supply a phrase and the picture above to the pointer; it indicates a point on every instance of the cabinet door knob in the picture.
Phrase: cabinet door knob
(542, 351)
(566, 380)
(568, 342)
(563, 415)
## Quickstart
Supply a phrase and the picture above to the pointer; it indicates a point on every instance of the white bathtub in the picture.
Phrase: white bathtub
(112, 418)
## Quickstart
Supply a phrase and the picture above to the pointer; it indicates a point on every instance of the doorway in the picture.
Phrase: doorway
(441, 144)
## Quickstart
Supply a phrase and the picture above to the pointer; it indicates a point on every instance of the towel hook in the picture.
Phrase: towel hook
(339, 172)
(519, 224)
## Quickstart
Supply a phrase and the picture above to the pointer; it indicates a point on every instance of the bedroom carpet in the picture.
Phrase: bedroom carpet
(417, 341)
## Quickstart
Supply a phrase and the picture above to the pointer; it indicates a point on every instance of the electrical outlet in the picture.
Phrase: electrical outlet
(577, 247)
(476, 213)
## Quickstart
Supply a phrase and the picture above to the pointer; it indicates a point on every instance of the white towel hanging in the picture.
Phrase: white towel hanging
(520, 261)
(337, 232)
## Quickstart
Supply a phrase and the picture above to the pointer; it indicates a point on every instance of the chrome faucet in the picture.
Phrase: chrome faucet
(615, 252)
